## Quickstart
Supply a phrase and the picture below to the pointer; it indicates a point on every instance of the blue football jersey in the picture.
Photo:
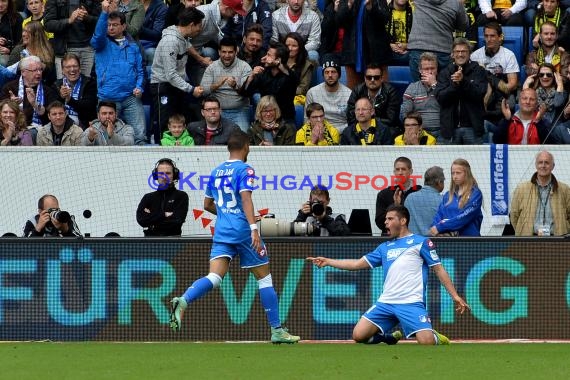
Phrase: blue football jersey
(226, 183)
(406, 263)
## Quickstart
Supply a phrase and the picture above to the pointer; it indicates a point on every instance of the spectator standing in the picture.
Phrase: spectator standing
(403, 184)
(541, 206)
(459, 213)
(460, 89)
(120, 73)
(423, 204)
(73, 25)
(432, 30)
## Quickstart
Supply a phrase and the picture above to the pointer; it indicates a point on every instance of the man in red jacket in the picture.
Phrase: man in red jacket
(526, 126)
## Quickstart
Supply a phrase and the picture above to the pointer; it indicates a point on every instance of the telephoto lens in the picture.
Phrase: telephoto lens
(60, 216)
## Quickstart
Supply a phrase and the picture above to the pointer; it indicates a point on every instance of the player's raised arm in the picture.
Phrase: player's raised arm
(441, 273)
(348, 264)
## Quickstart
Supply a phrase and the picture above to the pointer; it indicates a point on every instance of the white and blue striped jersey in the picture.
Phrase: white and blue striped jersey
(226, 183)
(406, 263)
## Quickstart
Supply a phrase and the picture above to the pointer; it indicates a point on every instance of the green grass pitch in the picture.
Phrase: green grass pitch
(85, 361)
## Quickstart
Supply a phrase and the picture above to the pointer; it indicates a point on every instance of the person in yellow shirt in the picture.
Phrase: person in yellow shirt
(414, 133)
(36, 8)
(317, 131)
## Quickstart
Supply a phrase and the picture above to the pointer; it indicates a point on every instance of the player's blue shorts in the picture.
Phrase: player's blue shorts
(248, 257)
(412, 316)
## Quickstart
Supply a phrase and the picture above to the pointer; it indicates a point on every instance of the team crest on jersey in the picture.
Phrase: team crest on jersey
(250, 172)
(430, 244)
(262, 251)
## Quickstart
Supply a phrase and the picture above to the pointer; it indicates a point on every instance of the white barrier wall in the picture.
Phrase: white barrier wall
(110, 181)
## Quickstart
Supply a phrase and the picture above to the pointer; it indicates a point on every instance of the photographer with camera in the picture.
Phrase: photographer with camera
(51, 221)
(317, 212)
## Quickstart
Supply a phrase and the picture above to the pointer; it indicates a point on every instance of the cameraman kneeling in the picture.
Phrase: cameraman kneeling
(51, 221)
(317, 212)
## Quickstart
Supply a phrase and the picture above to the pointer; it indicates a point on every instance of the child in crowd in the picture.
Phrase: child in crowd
(36, 8)
(177, 134)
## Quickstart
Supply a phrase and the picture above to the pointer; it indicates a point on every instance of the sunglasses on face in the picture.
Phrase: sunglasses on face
(545, 75)
(373, 77)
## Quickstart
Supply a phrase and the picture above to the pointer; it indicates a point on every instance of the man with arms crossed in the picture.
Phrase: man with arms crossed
(405, 259)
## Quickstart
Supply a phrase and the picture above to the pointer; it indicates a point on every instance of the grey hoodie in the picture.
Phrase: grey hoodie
(170, 60)
(434, 24)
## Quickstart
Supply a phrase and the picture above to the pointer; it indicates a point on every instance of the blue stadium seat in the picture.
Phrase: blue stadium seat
(529, 39)
(399, 77)
(299, 116)
(318, 77)
(146, 108)
(514, 41)
(321, 4)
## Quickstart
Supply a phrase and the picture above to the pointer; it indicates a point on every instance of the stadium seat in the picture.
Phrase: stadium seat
(146, 108)
(529, 37)
(299, 116)
(514, 41)
(321, 4)
(399, 77)
(318, 77)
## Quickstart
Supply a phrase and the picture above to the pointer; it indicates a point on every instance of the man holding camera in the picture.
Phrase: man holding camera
(318, 212)
(51, 221)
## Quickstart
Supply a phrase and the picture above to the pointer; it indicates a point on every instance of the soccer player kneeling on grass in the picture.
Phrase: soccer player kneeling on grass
(405, 259)
(228, 196)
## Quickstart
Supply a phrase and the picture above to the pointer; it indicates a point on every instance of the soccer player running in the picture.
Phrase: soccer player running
(228, 196)
(406, 259)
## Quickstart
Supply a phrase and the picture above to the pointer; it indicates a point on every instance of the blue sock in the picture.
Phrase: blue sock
(198, 289)
(268, 298)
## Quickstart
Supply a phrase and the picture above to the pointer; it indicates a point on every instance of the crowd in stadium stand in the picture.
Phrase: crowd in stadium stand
(459, 64)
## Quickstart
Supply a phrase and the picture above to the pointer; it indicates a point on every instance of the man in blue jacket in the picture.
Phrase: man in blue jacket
(119, 68)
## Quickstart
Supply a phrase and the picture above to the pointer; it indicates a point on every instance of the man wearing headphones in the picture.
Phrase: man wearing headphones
(163, 212)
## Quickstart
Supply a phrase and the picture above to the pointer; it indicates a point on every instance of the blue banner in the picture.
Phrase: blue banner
(499, 172)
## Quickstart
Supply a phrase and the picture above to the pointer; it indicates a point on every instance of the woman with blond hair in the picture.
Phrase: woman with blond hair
(14, 131)
(269, 128)
(35, 42)
(459, 213)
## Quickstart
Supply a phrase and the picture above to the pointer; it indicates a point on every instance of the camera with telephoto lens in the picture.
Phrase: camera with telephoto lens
(271, 227)
(59, 215)
(317, 208)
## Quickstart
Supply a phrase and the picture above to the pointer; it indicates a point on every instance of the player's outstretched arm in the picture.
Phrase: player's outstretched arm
(460, 305)
(349, 264)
